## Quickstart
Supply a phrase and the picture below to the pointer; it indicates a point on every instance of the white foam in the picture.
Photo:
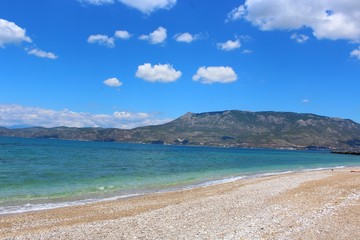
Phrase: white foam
(325, 168)
(45, 206)
(293, 171)
(269, 174)
(215, 182)
(28, 207)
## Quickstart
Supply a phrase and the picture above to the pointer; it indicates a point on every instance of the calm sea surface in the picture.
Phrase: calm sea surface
(48, 173)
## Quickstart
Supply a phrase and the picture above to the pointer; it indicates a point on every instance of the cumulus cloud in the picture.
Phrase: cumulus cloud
(149, 6)
(97, 2)
(328, 19)
(209, 75)
(102, 40)
(158, 73)
(229, 45)
(247, 51)
(112, 82)
(356, 53)
(145, 6)
(122, 34)
(305, 101)
(236, 13)
(156, 37)
(10, 33)
(130, 115)
(300, 38)
(186, 37)
(18, 115)
(42, 54)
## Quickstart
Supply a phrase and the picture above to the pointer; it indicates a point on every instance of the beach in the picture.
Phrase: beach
(305, 205)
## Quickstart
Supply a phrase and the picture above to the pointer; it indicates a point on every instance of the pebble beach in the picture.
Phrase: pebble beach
(305, 205)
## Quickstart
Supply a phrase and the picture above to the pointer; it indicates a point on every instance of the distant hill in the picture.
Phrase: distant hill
(227, 128)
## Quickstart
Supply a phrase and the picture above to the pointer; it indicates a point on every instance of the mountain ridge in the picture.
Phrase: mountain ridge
(229, 128)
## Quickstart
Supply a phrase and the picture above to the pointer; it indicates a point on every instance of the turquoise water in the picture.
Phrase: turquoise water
(46, 173)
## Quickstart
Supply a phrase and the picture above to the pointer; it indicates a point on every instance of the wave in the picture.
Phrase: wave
(214, 182)
(46, 206)
(323, 168)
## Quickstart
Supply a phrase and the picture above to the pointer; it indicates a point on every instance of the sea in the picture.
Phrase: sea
(38, 174)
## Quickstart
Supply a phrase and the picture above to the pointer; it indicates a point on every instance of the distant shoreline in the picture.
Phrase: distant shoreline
(229, 128)
(310, 148)
(346, 152)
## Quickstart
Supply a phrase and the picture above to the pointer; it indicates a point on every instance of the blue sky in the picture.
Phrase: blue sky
(128, 63)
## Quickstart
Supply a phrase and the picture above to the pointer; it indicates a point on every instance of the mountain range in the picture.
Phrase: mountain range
(284, 130)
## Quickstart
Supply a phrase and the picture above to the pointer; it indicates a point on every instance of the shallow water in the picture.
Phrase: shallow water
(48, 173)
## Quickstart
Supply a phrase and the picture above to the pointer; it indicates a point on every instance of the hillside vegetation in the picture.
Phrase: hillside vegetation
(226, 128)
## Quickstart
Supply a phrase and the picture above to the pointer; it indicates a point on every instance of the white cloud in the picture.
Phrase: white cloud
(10, 33)
(97, 2)
(356, 53)
(158, 73)
(148, 6)
(186, 37)
(145, 6)
(42, 54)
(112, 82)
(305, 101)
(156, 37)
(103, 40)
(247, 51)
(236, 13)
(122, 34)
(130, 115)
(327, 19)
(300, 38)
(229, 45)
(17, 115)
(209, 75)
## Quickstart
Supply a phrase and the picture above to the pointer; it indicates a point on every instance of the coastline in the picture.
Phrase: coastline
(307, 204)
(70, 202)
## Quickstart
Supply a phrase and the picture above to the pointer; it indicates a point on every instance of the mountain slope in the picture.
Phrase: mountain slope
(226, 128)
(256, 129)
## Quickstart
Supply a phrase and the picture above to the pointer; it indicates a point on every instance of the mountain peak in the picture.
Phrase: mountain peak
(231, 128)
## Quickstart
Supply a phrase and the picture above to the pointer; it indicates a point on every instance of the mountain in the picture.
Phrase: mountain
(225, 128)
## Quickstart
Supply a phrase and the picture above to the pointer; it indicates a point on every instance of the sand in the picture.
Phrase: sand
(306, 205)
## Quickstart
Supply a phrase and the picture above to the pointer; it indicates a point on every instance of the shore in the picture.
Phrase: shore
(306, 205)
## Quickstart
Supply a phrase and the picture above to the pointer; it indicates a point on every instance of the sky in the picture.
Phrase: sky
(130, 63)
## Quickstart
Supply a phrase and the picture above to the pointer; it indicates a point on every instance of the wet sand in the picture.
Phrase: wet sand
(307, 205)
